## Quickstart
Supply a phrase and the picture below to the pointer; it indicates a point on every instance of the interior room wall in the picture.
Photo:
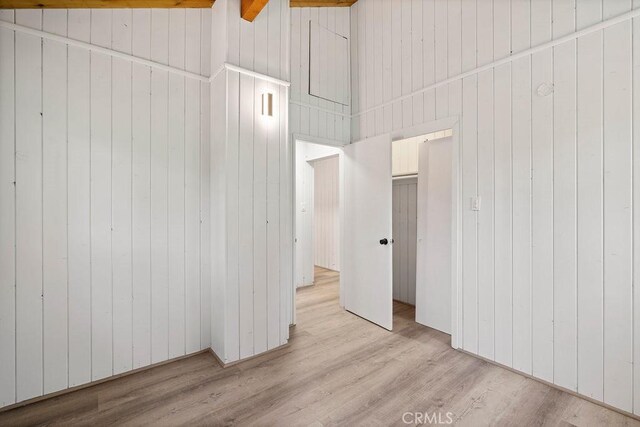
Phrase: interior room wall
(548, 142)
(306, 153)
(102, 186)
(404, 223)
(251, 205)
(326, 213)
(310, 115)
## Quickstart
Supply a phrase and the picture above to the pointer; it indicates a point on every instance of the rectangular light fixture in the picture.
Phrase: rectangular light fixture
(267, 104)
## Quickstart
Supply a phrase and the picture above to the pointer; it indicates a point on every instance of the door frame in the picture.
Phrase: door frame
(297, 137)
(452, 122)
(456, 212)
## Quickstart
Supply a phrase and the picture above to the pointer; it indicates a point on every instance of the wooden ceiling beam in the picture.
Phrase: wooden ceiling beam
(249, 9)
(103, 4)
(322, 3)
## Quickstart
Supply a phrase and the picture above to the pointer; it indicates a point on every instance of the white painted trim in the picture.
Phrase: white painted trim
(315, 107)
(103, 50)
(116, 54)
(597, 27)
(456, 212)
(217, 73)
(318, 140)
(255, 74)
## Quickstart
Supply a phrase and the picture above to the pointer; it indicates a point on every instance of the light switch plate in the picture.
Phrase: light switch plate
(475, 203)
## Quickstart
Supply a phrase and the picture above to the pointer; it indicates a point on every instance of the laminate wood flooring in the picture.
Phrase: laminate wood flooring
(338, 370)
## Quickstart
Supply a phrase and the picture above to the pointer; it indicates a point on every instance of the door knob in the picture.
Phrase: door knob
(384, 241)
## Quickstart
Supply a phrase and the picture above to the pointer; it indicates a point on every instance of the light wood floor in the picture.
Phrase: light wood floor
(338, 370)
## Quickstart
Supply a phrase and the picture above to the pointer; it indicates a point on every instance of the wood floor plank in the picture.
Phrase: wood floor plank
(337, 370)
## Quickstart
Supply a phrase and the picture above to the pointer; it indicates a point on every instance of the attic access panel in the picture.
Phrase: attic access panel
(328, 64)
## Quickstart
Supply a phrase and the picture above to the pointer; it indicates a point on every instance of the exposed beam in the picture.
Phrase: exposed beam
(100, 4)
(249, 9)
(322, 3)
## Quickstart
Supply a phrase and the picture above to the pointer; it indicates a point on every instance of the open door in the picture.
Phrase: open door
(366, 270)
(433, 273)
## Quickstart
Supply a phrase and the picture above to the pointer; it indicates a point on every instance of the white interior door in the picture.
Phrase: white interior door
(433, 272)
(366, 270)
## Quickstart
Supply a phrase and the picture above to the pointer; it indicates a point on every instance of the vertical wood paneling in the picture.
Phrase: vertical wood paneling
(84, 192)
(564, 212)
(546, 143)
(232, 334)
(101, 150)
(618, 338)
(141, 187)
(287, 314)
(635, 31)
(503, 220)
(28, 161)
(159, 182)
(121, 247)
(7, 215)
(79, 204)
(403, 249)
(590, 262)
(192, 148)
(259, 220)
(521, 132)
(469, 218)
(250, 188)
(440, 57)
(175, 185)
(542, 194)
(245, 211)
(486, 232)
(404, 235)
(428, 57)
(54, 202)
(416, 60)
(503, 259)
(205, 220)
(326, 214)
(273, 213)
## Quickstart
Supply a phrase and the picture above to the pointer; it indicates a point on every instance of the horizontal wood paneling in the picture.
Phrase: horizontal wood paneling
(106, 173)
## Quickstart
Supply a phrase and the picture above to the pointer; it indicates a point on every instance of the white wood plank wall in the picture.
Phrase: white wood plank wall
(102, 232)
(405, 217)
(251, 204)
(549, 143)
(310, 115)
(326, 213)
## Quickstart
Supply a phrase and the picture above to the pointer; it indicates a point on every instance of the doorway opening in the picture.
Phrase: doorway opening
(317, 214)
(422, 224)
(397, 232)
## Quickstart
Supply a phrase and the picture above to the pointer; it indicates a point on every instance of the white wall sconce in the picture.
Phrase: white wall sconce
(267, 104)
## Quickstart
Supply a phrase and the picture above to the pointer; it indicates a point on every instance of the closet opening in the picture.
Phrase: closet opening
(422, 228)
